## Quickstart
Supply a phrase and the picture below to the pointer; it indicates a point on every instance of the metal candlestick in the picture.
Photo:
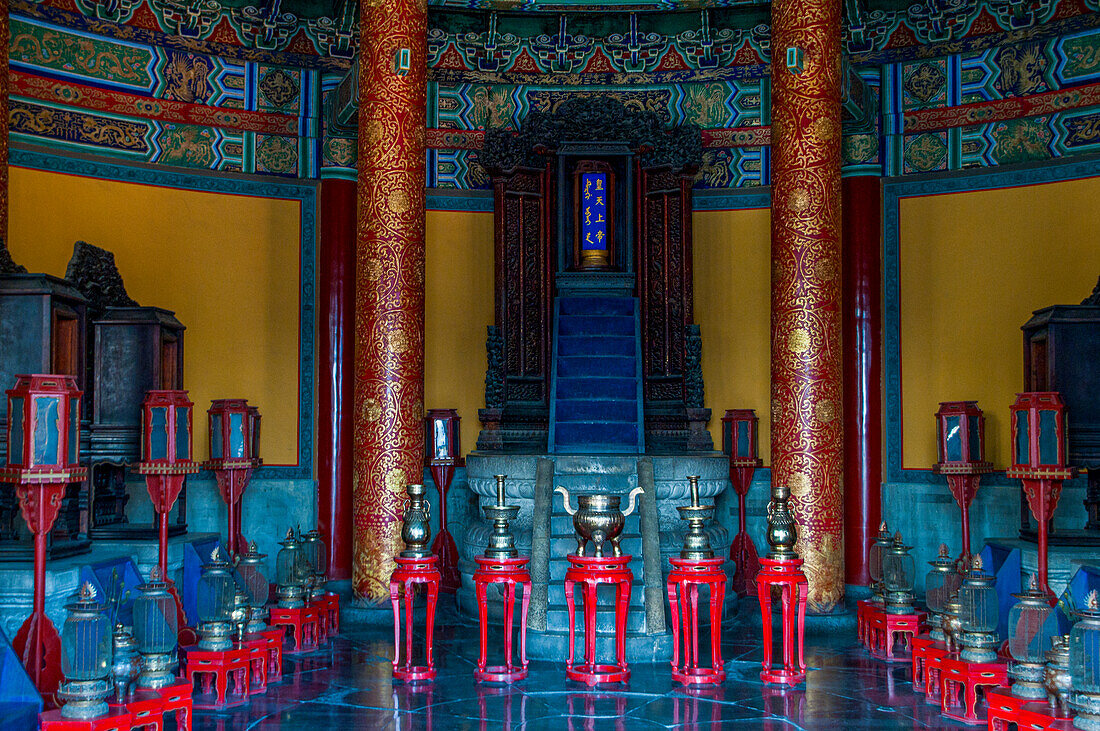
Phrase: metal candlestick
(696, 542)
(240, 614)
(501, 542)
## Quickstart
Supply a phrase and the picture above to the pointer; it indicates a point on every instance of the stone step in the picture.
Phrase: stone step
(596, 411)
(577, 345)
(579, 306)
(589, 438)
(596, 325)
(604, 389)
(597, 365)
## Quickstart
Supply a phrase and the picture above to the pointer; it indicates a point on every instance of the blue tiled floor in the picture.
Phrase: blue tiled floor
(348, 686)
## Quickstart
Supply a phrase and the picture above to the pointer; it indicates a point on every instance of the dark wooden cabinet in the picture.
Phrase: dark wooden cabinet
(1062, 353)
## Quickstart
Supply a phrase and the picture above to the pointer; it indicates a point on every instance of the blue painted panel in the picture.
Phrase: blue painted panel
(196, 554)
(183, 433)
(1048, 438)
(594, 211)
(20, 703)
(217, 450)
(116, 584)
(74, 429)
(158, 433)
(236, 435)
(1005, 564)
(46, 431)
(1086, 579)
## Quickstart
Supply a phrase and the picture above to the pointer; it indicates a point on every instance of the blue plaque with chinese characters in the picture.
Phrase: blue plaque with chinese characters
(594, 211)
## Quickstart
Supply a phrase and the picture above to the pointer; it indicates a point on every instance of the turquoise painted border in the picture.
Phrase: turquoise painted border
(456, 199)
(302, 191)
(893, 190)
(718, 199)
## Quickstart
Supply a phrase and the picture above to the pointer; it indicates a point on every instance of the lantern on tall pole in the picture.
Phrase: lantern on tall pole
(1039, 461)
(234, 453)
(166, 449)
(443, 455)
(43, 449)
(960, 438)
(740, 442)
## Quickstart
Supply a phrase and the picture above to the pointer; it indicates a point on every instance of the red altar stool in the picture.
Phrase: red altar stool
(683, 588)
(146, 710)
(863, 608)
(214, 669)
(176, 698)
(959, 683)
(1003, 709)
(590, 572)
(117, 719)
(329, 606)
(412, 571)
(886, 629)
(257, 662)
(787, 575)
(510, 572)
(305, 623)
(933, 674)
(322, 621)
(273, 641)
(924, 652)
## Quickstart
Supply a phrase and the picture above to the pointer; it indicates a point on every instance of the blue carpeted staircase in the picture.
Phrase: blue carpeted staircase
(596, 387)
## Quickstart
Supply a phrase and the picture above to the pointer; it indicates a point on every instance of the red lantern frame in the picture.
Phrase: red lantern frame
(443, 457)
(964, 474)
(742, 468)
(40, 488)
(233, 473)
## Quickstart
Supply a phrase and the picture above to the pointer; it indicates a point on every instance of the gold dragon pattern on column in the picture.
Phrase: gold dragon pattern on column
(807, 448)
(389, 285)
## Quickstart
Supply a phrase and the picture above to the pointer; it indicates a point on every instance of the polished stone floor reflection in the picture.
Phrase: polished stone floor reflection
(348, 686)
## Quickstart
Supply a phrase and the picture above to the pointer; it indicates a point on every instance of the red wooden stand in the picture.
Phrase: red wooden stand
(305, 623)
(788, 576)
(591, 571)
(117, 719)
(683, 587)
(444, 546)
(1043, 488)
(146, 709)
(959, 682)
(412, 571)
(884, 630)
(329, 607)
(742, 551)
(257, 662)
(233, 476)
(273, 642)
(177, 699)
(510, 572)
(1003, 709)
(925, 651)
(214, 669)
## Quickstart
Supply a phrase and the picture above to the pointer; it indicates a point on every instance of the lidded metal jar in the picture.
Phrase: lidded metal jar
(1084, 662)
(214, 596)
(782, 532)
(978, 615)
(316, 555)
(416, 530)
(952, 624)
(1031, 625)
(940, 583)
(289, 573)
(899, 571)
(1057, 678)
(155, 629)
(875, 557)
(250, 567)
(126, 663)
(85, 657)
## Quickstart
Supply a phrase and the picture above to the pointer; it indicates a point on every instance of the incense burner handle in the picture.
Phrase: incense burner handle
(632, 500)
(565, 499)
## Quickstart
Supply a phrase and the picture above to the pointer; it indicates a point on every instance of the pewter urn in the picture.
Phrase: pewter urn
(126, 664)
(416, 531)
(597, 519)
(1056, 676)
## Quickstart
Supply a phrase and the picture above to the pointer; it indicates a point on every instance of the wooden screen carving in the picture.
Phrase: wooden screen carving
(523, 286)
(664, 279)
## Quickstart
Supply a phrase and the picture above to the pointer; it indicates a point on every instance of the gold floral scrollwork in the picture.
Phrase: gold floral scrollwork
(372, 409)
(798, 342)
(825, 410)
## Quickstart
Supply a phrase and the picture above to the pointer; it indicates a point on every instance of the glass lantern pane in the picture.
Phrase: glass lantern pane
(1048, 437)
(74, 429)
(155, 622)
(439, 438)
(255, 584)
(979, 611)
(158, 433)
(1084, 658)
(874, 562)
(952, 438)
(1023, 451)
(1029, 631)
(974, 436)
(285, 565)
(46, 431)
(183, 433)
(898, 572)
(215, 596)
(236, 436)
(938, 588)
(15, 430)
(85, 647)
(744, 449)
(217, 451)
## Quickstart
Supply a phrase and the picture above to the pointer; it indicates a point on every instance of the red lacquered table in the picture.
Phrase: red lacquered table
(411, 571)
(214, 669)
(510, 572)
(117, 719)
(590, 572)
(885, 628)
(959, 683)
(684, 580)
(305, 623)
(146, 710)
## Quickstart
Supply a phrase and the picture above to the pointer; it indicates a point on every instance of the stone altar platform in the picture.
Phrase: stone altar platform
(544, 531)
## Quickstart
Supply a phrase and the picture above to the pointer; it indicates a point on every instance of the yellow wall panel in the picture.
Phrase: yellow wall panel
(458, 307)
(732, 278)
(973, 267)
(227, 265)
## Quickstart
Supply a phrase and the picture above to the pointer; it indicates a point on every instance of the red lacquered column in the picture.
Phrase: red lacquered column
(862, 316)
(389, 285)
(5, 37)
(807, 442)
(335, 305)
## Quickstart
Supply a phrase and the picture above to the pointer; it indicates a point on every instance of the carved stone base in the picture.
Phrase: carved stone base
(515, 428)
(674, 429)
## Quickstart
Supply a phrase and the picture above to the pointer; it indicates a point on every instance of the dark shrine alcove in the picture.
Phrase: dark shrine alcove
(537, 172)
